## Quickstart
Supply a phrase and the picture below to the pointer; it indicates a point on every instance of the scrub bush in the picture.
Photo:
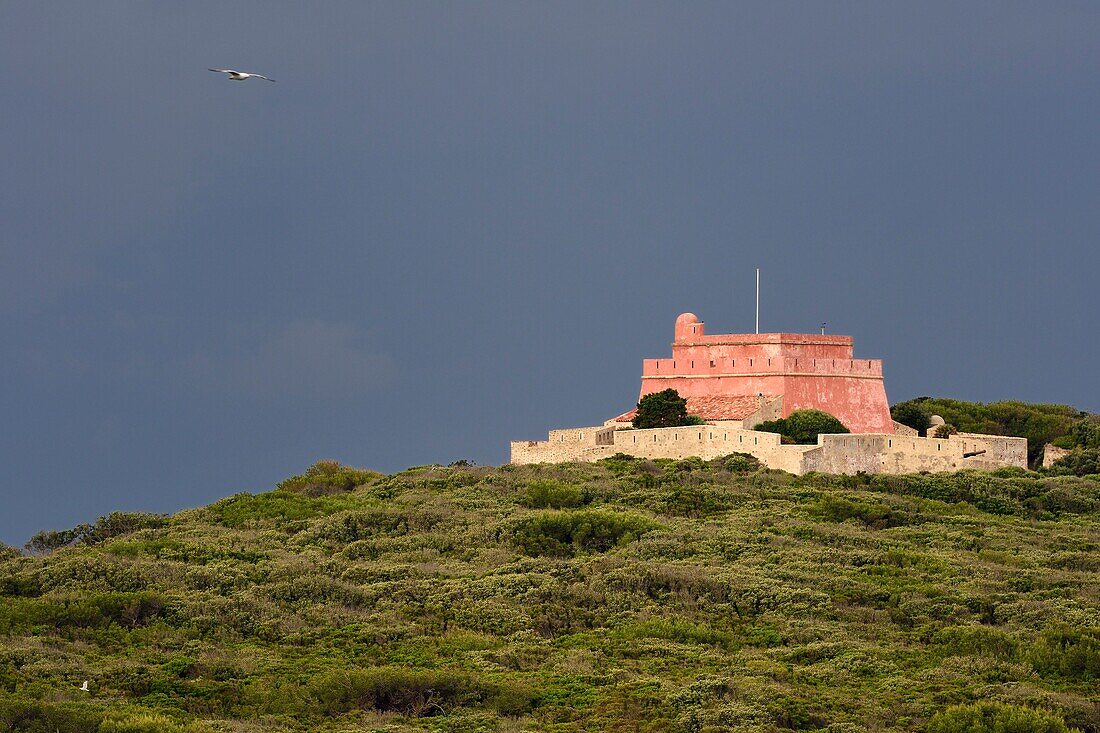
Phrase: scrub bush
(328, 477)
(551, 494)
(566, 533)
(993, 717)
(115, 524)
(413, 692)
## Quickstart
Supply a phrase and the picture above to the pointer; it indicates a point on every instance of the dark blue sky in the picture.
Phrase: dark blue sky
(451, 225)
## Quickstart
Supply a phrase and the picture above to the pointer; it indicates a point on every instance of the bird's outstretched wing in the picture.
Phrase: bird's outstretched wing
(221, 71)
(261, 76)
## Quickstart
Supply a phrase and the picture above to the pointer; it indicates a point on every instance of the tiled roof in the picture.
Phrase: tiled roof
(714, 407)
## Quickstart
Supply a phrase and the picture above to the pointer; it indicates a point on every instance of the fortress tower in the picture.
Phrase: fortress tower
(731, 376)
(737, 381)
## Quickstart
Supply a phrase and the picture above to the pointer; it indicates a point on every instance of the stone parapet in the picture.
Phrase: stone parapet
(838, 454)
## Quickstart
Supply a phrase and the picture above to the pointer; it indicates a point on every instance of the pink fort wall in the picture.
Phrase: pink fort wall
(807, 370)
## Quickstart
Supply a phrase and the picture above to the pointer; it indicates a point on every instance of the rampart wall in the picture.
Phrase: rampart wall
(838, 454)
(909, 454)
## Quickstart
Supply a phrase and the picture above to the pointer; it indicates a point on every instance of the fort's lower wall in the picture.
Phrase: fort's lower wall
(839, 454)
(1052, 453)
(704, 441)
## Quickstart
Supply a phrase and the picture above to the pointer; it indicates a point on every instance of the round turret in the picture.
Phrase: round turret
(936, 421)
(688, 326)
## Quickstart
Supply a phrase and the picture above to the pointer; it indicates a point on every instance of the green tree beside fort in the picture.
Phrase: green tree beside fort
(665, 409)
(803, 426)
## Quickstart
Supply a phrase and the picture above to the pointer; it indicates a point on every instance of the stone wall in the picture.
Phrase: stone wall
(838, 454)
(1052, 453)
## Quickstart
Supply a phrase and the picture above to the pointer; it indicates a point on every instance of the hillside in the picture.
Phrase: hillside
(627, 596)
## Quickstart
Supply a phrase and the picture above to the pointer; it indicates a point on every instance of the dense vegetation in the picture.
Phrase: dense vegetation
(803, 426)
(628, 595)
(1062, 425)
(665, 409)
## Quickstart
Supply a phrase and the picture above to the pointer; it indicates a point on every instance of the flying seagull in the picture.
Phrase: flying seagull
(84, 687)
(240, 75)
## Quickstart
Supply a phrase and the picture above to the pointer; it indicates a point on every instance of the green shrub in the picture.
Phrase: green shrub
(839, 509)
(568, 532)
(48, 540)
(551, 494)
(328, 477)
(683, 499)
(803, 426)
(977, 640)
(981, 489)
(738, 463)
(943, 432)
(1067, 653)
(993, 717)
(353, 526)
(413, 692)
(1086, 433)
(24, 584)
(512, 698)
(913, 414)
(274, 507)
(35, 716)
(1079, 462)
(118, 524)
(666, 409)
(142, 722)
(619, 463)
(115, 524)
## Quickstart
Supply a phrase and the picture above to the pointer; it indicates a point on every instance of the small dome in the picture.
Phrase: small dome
(686, 319)
(688, 327)
(936, 420)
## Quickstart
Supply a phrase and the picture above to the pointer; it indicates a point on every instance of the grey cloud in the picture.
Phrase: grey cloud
(301, 359)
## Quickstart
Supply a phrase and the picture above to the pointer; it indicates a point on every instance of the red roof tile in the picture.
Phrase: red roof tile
(714, 407)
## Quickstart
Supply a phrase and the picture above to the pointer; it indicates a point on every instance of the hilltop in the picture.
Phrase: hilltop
(624, 595)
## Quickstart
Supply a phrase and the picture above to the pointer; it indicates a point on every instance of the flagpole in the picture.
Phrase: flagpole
(758, 300)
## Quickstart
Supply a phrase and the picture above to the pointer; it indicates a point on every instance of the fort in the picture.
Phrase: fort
(736, 381)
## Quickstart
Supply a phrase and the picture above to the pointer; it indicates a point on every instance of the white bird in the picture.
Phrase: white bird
(84, 687)
(240, 75)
